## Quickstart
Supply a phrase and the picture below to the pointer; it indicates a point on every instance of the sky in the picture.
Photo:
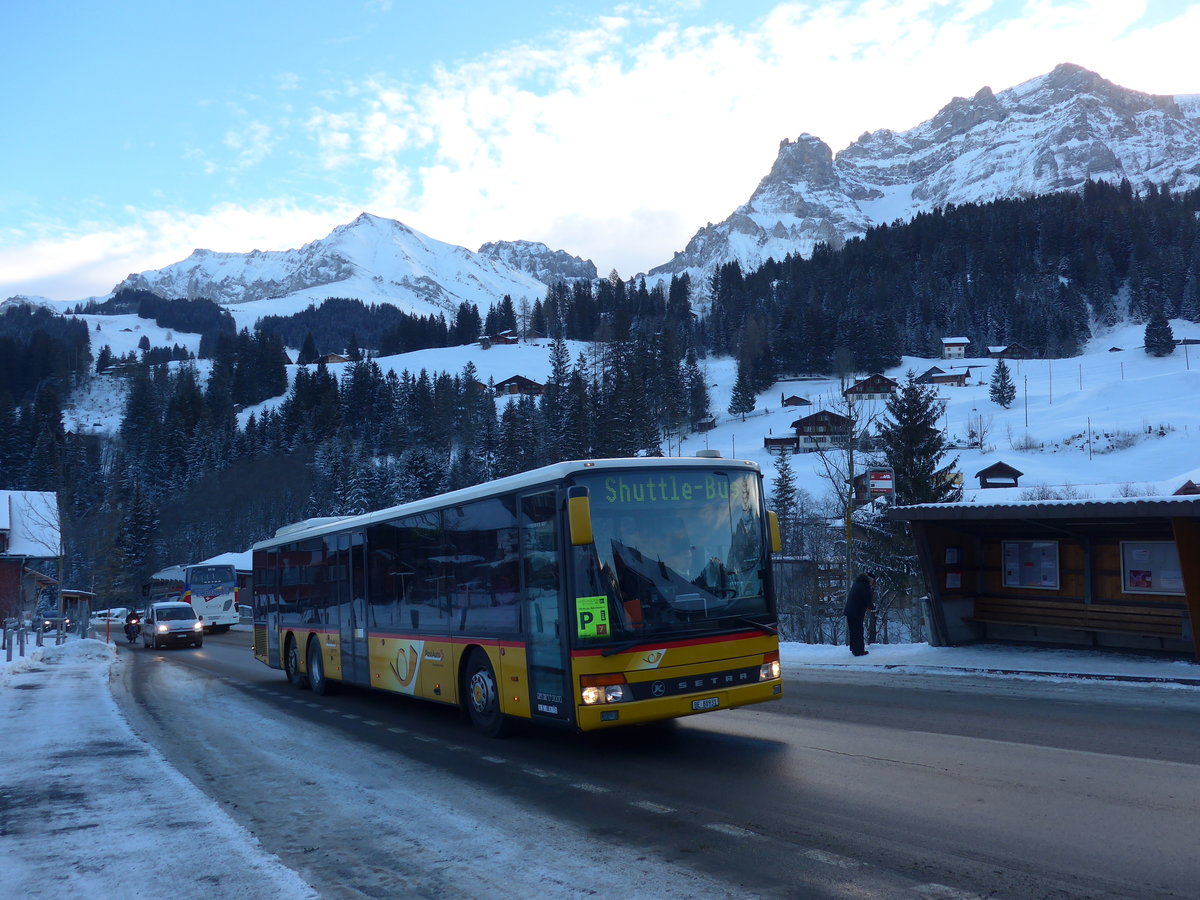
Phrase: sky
(87, 794)
(136, 131)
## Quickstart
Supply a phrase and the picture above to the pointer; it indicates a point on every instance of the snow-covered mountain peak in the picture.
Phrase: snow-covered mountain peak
(372, 258)
(1050, 133)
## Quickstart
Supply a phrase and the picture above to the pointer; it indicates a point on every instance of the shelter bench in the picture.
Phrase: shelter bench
(1144, 621)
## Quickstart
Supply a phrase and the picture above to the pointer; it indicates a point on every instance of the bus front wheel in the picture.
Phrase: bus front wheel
(291, 665)
(482, 695)
(316, 669)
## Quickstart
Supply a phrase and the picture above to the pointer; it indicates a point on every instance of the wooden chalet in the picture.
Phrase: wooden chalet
(823, 430)
(873, 387)
(333, 358)
(793, 401)
(786, 444)
(998, 475)
(1102, 573)
(940, 376)
(519, 385)
(1010, 351)
(504, 338)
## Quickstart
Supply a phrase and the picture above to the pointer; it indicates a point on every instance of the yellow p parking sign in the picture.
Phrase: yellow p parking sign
(591, 616)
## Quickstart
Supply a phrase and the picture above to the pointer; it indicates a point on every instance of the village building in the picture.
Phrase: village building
(823, 430)
(1010, 351)
(786, 444)
(939, 376)
(793, 400)
(30, 549)
(873, 387)
(955, 347)
(504, 338)
(516, 385)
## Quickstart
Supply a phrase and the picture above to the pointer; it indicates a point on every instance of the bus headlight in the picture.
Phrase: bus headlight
(614, 693)
(598, 689)
(770, 667)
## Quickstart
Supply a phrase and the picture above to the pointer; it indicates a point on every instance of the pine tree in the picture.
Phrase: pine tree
(743, 399)
(783, 497)
(915, 446)
(697, 390)
(308, 351)
(1159, 339)
(1002, 390)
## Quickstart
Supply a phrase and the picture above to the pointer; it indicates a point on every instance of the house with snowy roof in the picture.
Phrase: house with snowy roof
(873, 387)
(30, 549)
(955, 347)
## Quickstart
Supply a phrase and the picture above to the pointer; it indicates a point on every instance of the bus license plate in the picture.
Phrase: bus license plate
(706, 703)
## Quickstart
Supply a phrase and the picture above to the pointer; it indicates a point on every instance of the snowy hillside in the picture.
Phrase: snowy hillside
(372, 259)
(1050, 134)
(1100, 425)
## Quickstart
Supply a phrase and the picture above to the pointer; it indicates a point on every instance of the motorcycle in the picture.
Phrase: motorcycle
(133, 630)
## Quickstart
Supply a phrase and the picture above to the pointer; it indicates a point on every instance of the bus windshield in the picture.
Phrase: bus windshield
(675, 553)
(210, 574)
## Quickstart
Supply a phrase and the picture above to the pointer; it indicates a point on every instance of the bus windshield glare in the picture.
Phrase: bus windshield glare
(675, 552)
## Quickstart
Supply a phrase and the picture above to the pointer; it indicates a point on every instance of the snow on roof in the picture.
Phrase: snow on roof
(956, 340)
(1051, 509)
(242, 561)
(31, 520)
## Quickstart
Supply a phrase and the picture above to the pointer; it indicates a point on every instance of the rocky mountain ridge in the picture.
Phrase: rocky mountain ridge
(1049, 134)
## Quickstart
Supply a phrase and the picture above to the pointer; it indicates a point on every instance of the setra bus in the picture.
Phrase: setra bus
(583, 594)
(211, 589)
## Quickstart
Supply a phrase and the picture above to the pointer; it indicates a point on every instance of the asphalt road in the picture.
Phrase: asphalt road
(854, 785)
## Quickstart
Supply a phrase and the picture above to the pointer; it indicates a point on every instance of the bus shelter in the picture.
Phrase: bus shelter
(1119, 573)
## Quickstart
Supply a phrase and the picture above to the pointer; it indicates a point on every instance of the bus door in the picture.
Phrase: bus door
(266, 607)
(541, 577)
(352, 605)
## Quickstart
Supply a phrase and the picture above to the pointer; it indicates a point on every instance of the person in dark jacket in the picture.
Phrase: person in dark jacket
(860, 598)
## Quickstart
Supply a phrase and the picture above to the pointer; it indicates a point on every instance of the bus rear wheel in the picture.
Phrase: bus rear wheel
(316, 669)
(291, 665)
(481, 695)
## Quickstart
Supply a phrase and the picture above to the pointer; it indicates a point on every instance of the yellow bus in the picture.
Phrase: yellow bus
(583, 594)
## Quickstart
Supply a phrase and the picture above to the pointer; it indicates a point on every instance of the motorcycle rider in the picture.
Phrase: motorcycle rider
(133, 626)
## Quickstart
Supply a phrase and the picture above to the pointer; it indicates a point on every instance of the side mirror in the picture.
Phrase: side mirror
(773, 527)
(579, 516)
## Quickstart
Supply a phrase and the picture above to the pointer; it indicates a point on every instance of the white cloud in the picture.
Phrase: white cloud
(101, 256)
(619, 141)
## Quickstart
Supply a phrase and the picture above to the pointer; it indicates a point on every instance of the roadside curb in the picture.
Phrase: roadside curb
(1032, 673)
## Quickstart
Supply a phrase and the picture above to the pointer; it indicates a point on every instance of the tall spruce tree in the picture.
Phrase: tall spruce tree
(915, 447)
(1002, 389)
(1159, 338)
(742, 400)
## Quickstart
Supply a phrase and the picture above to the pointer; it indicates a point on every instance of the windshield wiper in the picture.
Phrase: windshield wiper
(762, 626)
